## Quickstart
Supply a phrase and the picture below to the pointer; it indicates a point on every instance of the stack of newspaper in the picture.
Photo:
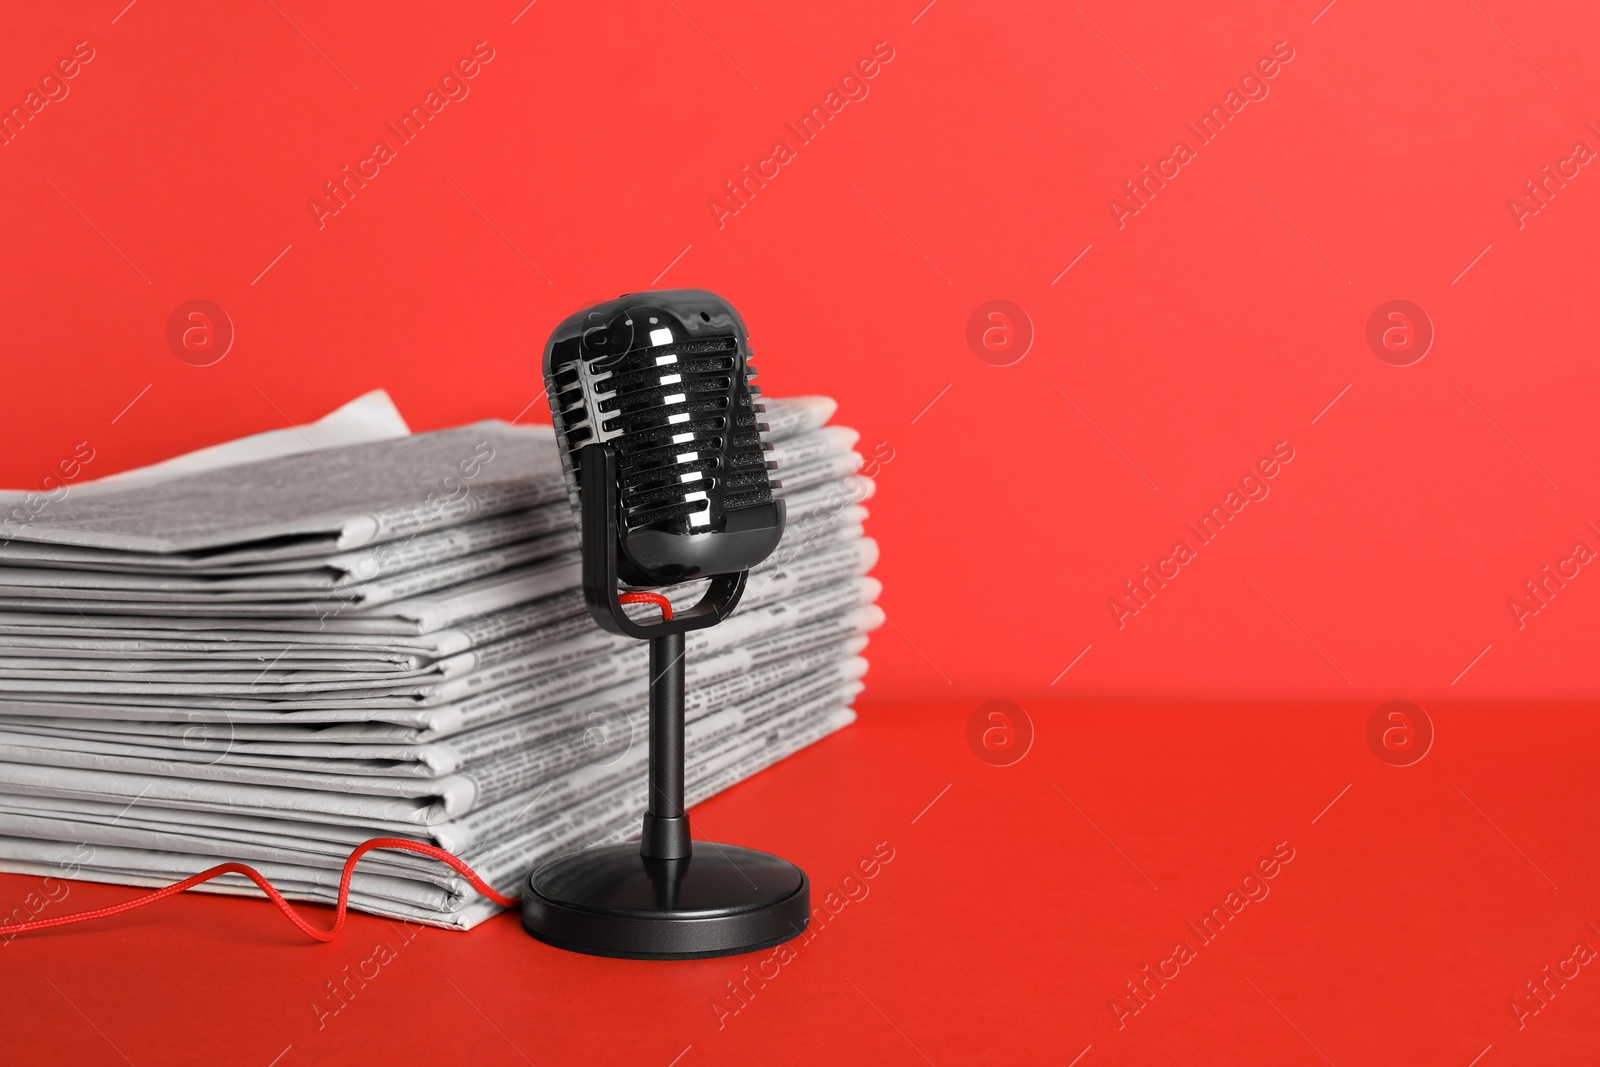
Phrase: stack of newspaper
(272, 650)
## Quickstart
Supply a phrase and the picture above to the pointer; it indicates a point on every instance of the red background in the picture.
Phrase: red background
(1224, 317)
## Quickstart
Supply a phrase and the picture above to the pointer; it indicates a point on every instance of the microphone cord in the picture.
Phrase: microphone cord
(397, 843)
(648, 598)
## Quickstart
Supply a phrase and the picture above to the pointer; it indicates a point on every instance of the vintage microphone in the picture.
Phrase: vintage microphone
(666, 466)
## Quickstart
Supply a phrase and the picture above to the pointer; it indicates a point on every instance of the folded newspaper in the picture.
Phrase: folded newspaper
(275, 648)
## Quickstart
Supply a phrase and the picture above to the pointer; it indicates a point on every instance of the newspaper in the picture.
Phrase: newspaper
(847, 551)
(328, 499)
(418, 897)
(165, 573)
(206, 721)
(720, 680)
(369, 417)
(610, 814)
(273, 593)
(555, 666)
(187, 573)
(711, 737)
(259, 648)
(393, 801)
(489, 776)
(817, 506)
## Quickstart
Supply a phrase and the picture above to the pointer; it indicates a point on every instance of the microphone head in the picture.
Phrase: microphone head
(662, 379)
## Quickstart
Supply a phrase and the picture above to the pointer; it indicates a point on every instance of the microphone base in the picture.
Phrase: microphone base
(720, 901)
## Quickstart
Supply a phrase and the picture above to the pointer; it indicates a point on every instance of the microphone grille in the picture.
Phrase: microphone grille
(680, 411)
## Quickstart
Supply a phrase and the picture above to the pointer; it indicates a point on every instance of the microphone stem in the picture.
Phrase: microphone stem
(666, 827)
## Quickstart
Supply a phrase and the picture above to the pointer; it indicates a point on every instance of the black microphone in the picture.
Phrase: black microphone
(666, 465)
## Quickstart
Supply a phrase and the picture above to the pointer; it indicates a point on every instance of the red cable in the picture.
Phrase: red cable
(277, 898)
(648, 598)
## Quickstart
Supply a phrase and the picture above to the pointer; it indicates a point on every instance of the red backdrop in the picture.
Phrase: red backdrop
(1203, 323)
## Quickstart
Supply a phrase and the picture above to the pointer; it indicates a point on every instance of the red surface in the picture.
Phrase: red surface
(1415, 908)
(1227, 315)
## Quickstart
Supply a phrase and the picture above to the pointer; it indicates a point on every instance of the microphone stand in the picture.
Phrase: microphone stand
(666, 827)
(660, 899)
